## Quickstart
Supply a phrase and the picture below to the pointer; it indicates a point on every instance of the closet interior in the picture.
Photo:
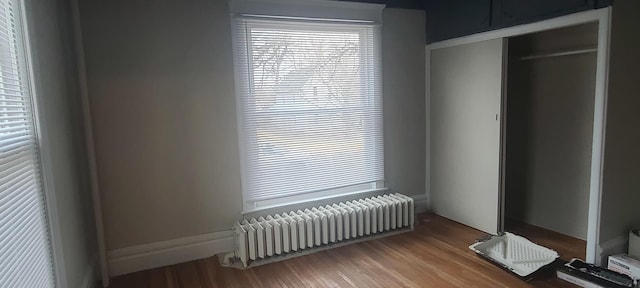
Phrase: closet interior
(548, 132)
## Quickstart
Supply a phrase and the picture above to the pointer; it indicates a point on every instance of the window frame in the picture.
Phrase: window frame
(242, 46)
(28, 40)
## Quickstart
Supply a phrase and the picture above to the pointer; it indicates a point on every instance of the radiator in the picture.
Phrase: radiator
(278, 234)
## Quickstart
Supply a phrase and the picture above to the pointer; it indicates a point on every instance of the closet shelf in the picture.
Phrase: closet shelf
(561, 53)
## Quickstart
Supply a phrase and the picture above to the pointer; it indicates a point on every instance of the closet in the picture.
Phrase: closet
(549, 129)
(516, 122)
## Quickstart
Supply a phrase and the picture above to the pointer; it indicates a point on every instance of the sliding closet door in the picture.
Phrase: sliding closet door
(466, 89)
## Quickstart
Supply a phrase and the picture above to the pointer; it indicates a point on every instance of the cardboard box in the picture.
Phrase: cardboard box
(625, 264)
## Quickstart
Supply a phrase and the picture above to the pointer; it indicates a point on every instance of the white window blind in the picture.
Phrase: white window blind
(309, 105)
(25, 259)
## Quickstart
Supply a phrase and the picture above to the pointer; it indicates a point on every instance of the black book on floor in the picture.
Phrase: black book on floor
(587, 275)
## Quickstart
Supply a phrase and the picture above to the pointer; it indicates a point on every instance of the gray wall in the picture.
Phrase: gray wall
(403, 68)
(61, 118)
(621, 179)
(162, 98)
(549, 130)
(160, 80)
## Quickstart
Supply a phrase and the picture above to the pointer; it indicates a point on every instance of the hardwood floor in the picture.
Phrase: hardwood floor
(434, 255)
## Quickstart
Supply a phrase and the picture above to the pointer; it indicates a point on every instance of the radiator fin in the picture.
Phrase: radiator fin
(284, 233)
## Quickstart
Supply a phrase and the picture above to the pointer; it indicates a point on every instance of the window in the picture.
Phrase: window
(309, 106)
(25, 258)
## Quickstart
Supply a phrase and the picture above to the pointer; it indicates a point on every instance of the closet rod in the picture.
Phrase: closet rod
(556, 54)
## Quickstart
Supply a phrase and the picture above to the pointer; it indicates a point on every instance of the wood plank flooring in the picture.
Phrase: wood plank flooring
(434, 255)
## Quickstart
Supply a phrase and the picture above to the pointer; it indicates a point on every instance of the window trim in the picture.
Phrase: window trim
(318, 9)
(309, 198)
(295, 10)
(35, 85)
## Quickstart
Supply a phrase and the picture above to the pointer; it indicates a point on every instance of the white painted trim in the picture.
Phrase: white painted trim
(48, 183)
(91, 158)
(237, 48)
(157, 254)
(599, 127)
(310, 199)
(89, 280)
(427, 142)
(420, 203)
(259, 7)
(603, 17)
(554, 23)
(338, 10)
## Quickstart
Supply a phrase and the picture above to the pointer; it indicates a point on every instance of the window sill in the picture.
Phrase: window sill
(280, 207)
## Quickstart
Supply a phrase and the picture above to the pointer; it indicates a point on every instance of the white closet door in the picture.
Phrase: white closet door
(466, 93)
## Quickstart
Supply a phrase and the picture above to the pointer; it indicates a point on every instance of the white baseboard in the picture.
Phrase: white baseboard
(613, 246)
(421, 203)
(158, 254)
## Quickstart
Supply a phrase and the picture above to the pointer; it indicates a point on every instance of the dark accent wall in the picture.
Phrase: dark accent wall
(456, 17)
(448, 19)
(513, 12)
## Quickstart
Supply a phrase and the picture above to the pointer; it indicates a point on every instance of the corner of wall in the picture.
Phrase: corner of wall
(420, 202)
(613, 246)
(90, 280)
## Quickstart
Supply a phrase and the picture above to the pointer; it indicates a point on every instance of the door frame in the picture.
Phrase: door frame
(603, 18)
